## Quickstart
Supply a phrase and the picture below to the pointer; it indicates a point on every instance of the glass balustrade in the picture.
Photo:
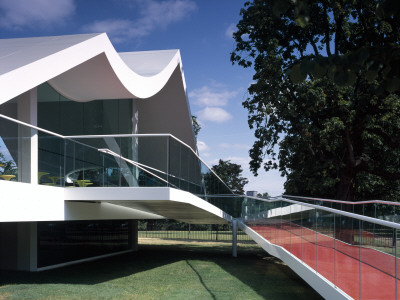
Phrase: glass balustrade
(358, 254)
(15, 151)
(105, 161)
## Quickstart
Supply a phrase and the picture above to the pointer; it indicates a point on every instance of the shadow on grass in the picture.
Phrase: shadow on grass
(267, 276)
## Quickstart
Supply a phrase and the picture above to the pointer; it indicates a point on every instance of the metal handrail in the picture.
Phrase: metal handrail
(324, 208)
(345, 202)
(333, 210)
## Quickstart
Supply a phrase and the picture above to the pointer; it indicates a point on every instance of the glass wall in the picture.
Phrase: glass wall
(61, 242)
(66, 117)
(63, 116)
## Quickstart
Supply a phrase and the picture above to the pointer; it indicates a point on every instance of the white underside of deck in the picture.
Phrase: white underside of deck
(22, 202)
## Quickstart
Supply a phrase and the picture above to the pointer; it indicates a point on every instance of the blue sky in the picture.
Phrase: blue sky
(201, 29)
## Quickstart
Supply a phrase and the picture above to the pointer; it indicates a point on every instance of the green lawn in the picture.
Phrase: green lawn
(165, 270)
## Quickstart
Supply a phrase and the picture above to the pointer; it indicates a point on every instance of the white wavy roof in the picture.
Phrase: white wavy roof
(28, 62)
(86, 67)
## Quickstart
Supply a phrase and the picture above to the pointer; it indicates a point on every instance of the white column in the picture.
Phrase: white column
(28, 138)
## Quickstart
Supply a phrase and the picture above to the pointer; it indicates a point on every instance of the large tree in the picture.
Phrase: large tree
(326, 93)
(231, 174)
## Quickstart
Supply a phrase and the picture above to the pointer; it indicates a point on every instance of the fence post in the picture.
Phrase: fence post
(234, 238)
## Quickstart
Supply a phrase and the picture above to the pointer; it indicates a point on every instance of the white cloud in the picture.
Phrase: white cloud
(201, 146)
(230, 30)
(214, 114)
(152, 15)
(15, 14)
(211, 96)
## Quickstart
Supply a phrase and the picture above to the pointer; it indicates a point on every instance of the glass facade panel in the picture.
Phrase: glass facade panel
(83, 163)
(51, 160)
(61, 115)
(61, 242)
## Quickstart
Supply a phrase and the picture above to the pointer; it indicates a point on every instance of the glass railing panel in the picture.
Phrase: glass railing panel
(286, 226)
(51, 152)
(185, 168)
(337, 205)
(15, 151)
(194, 177)
(129, 173)
(174, 162)
(309, 246)
(325, 229)
(378, 263)
(296, 229)
(84, 165)
(110, 172)
(153, 152)
(347, 255)
(278, 225)
(210, 181)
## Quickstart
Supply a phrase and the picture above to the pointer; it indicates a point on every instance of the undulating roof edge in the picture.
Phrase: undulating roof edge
(84, 67)
(87, 67)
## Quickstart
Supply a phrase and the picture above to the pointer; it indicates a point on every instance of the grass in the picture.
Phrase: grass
(165, 270)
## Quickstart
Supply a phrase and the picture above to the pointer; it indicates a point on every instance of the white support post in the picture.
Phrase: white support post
(28, 138)
(34, 137)
(234, 238)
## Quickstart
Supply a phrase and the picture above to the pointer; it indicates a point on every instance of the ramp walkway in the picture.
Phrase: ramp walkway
(341, 254)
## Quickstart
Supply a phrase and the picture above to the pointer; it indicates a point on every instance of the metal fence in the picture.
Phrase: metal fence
(173, 230)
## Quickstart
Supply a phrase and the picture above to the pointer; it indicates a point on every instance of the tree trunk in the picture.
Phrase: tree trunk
(346, 192)
(346, 189)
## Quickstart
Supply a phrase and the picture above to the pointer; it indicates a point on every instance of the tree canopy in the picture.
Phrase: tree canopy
(326, 93)
(196, 126)
(231, 174)
(263, 195)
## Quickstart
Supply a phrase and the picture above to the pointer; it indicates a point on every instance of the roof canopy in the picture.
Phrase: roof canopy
(86, 67)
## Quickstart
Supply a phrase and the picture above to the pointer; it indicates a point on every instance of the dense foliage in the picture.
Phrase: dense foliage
(231, 174)
(326, 93)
